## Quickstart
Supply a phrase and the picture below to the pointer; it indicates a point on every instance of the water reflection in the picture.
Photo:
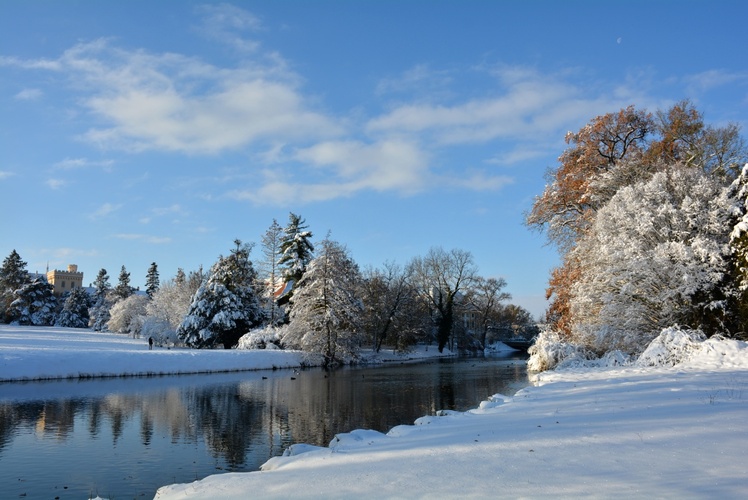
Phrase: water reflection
(126, 437)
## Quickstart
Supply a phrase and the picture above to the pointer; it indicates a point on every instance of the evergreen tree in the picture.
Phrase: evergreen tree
(34, 304)
(99, 312)
(74, 312)
(296, 249)
(326, 309)
(151, 280)
(123, 288)
(13, 275)
(271, 279)
(226, 306)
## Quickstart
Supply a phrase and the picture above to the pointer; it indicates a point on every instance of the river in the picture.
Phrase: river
(123, 438)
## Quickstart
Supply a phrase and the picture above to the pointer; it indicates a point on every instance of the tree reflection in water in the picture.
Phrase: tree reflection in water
(178, 429)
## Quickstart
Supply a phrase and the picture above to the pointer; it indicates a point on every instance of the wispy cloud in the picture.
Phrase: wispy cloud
(344, 168)
(156, 240)
(55, 183)
(5, 174)
(524, 105)
(708, 80)
(421, 79)
(230, 25)
(81, 163)
(28, 95)
(105, 210)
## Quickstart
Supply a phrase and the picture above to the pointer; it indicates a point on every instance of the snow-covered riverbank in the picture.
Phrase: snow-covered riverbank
(36, 353)
(617, 432)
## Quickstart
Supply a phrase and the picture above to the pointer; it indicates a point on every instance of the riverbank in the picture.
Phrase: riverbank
(598, 432)
(45, 353)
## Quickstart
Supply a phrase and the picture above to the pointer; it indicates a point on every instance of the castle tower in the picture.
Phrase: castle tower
(64, 281)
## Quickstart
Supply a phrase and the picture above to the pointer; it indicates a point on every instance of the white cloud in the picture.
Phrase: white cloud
(5, 174)
(176, 103)
(105, 210)
(479, 181)
(28, 95)
(230, 25)
(347, 167)
(708, 80)
(156, 240)
(81, 163)
(55, 183)
(420, 78)
(526, 105)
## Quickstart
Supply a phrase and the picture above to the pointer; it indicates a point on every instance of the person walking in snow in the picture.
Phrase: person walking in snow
(150, 343)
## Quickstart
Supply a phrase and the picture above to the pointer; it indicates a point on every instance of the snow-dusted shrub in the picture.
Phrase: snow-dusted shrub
(674, 345)
(128, 315)
(160, 330)
(656, 255)
(262, 338)
(550, 349)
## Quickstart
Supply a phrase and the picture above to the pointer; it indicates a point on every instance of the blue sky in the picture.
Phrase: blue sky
(142, 131)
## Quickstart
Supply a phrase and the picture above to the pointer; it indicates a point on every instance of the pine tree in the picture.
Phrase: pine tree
(269, 271)
(326, 309)
(151, 280)
(296, 248)
(34, 304)
(226, 306)
(74, 312)
(13, 275)
(123, 288)
(99, 311)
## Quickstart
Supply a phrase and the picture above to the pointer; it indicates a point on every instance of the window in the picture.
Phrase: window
(62, 284)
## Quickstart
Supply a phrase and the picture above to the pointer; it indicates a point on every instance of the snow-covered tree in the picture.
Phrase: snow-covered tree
(34, 304)
(325, 312)
(99, 311)
(128, 315)
(13, 275)
(74, 312)
(227, 306)
(123, 288)
(296, 249)
(169, 306)
(269, 271)
(655, 256)
(151, 280)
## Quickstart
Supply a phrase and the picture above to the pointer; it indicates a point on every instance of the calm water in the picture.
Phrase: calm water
(123, 438)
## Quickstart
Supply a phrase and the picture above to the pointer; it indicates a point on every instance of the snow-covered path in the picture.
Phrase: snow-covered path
(626, 432)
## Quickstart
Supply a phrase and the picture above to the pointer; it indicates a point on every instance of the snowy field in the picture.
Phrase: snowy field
(632, 432)
(35, 353)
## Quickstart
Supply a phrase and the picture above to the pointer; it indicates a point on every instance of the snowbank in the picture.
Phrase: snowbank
(630, 431)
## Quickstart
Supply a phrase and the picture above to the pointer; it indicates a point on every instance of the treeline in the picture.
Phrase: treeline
(296, 294)
(648, 212)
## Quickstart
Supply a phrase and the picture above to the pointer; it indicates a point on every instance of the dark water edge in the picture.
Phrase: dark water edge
(123, 438)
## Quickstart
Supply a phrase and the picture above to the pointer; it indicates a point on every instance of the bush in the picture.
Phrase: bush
(671, 347)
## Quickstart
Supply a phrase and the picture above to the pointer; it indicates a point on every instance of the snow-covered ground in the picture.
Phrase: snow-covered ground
(32, 353)
(630, 432)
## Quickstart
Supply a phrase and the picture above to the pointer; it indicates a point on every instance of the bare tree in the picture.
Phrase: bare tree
(486, 299)
(391, 309)
(439, 277)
